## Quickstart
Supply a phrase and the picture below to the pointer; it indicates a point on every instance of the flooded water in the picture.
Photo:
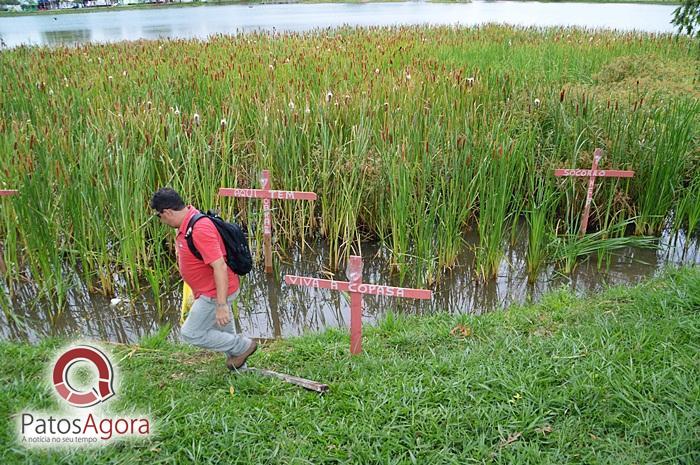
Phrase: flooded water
(204, 21)
(270, 309)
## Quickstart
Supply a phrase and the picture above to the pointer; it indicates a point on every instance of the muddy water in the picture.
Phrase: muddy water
(270, 309)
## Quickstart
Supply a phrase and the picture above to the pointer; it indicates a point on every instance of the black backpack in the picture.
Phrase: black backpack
(238, 256)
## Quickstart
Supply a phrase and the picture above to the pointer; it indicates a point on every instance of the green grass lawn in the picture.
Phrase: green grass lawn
(610, 378)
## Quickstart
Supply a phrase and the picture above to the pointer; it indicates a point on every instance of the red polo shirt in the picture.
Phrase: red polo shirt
(195, 272)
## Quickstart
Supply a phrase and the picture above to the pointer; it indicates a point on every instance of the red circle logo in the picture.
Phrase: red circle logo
(97, 394)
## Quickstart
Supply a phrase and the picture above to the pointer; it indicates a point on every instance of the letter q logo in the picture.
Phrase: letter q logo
(97, 394)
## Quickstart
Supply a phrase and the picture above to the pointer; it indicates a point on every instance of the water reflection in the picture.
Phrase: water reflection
(270, 309)
(156, 31)
(205, 21)
(66, 37)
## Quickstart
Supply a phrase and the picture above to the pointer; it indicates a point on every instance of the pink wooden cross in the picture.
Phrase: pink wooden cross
(266, 194)
(4, 193)
(356, 288)
(593, 173)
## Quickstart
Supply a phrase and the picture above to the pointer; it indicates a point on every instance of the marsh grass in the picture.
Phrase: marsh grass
(408, 135)
(569, 250)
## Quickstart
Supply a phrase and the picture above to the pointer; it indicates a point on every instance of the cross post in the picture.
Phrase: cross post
(357, 288)
(592, 174)
(266, 194)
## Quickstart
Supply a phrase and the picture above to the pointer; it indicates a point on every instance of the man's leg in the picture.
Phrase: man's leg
(201, 329)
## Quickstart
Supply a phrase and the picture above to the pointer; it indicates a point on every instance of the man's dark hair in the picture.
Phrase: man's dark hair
(166, 197)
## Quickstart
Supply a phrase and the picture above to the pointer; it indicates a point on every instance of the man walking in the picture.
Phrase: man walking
(209, 324)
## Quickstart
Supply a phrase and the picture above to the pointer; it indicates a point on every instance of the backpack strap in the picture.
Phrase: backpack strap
(188, 234)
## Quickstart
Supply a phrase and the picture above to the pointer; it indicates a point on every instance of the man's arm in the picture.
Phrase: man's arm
(221, 280)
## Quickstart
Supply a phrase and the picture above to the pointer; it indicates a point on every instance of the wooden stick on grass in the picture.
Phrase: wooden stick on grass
(305, 383)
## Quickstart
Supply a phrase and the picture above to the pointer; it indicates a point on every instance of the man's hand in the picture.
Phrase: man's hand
(223, 310)
(223, 314)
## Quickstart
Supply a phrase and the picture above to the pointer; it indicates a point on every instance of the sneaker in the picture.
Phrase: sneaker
(237, 362)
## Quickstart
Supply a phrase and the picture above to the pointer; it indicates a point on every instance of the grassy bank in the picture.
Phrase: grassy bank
(611, 378)
(409, 136)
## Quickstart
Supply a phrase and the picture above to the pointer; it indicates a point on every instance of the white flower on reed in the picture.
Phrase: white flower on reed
(537, 102)
(50, 91)
(291, 105)
(177, 111)
(272, 67)
(408, 76)
(124, 73)
(110, 77)
(329, 96)
(376, 70)
(307, 110)
(195, 118)
(470, 81)
(223, 123)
